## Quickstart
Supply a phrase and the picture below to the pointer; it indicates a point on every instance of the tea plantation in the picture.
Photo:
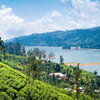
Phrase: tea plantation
(14, 85)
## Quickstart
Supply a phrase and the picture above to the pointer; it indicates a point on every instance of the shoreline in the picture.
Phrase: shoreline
(82, 64)
(64, 49)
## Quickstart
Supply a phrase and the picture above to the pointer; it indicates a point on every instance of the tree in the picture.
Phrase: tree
(90, 88)
(61, 59)
(95, 72)
(42, 54)
(36, 52)
(18, 49)
(77, 74)
(2, 49)
(51, 55)
(57, 68)
(1, 45)
(44, 57)
(30, 53)
(34, 68)
(14, 48)
(23, 51)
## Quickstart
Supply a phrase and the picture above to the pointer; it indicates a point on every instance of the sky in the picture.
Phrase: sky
(24, 17)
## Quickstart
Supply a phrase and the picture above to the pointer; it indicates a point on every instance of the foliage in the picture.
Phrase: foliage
(75, 78)
(61, 59)
(2, 49)
(16, 62)
(41, 54)
(85, 38)
(15, 48)
(33, 69)
(16, 86)
(95, 72)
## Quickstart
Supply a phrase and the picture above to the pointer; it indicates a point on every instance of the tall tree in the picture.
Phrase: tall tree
(30, 53)
(95, 72)
(61, 59)
(14, 48)
(2, 49)
(77, 74)
(23, 51)
(36, 52)
(33, 69)
(42, 54)
(51, 56)
(18, 49)
(57, 68)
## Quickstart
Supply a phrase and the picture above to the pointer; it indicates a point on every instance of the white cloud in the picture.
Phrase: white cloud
(81, 14)
(86, 13)
(55, 13)
(10, 25)
(47, 23)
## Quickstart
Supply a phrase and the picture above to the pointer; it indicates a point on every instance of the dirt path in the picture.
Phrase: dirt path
(82, 64)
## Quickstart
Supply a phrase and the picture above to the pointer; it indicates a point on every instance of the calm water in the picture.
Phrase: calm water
(77, 56)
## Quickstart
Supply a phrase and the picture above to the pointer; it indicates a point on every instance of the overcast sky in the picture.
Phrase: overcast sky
(24, 17)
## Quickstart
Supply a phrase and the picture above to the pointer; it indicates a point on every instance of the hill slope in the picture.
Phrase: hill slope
(86, 38)
(13, 85)
(16, 86)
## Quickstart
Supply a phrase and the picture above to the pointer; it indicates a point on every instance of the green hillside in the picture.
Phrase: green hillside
(85, 38)
(14, 85)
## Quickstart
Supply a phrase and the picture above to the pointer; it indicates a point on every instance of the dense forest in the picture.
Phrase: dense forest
(33, 75)
(84, 38)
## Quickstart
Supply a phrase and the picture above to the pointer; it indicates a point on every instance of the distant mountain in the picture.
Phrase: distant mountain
(85, 38)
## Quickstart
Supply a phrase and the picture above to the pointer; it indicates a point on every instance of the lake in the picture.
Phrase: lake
(74, 56)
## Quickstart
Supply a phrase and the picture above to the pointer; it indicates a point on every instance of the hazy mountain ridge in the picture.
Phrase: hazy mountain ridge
(85, 38)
